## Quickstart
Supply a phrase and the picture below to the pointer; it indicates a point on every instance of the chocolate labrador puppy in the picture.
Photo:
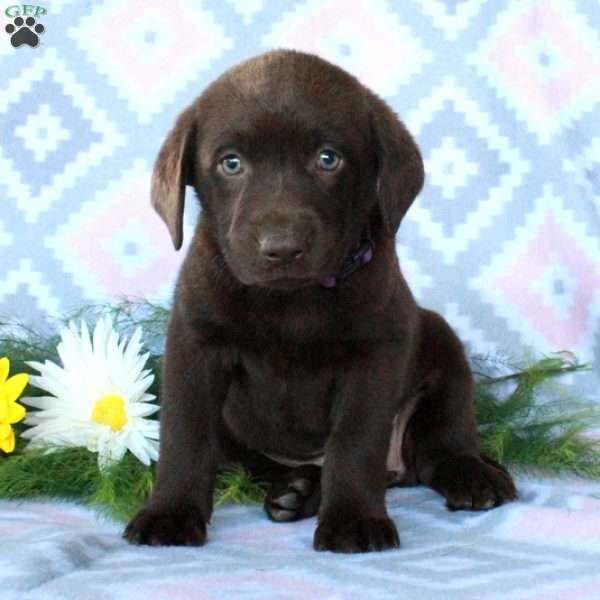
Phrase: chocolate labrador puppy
(293, 335)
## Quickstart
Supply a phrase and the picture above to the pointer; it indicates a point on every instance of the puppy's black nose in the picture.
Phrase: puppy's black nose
(281, 248)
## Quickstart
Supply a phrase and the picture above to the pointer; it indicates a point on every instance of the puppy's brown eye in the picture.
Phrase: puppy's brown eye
(329, 160)
(232, 164)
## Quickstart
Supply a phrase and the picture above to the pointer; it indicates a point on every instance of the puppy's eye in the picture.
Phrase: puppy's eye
(329, 160)
(231, 164)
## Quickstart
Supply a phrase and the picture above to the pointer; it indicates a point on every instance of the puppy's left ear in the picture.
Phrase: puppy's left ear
(173, 170)
(400, 173)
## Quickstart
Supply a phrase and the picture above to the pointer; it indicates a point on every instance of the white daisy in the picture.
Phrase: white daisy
(98, 397)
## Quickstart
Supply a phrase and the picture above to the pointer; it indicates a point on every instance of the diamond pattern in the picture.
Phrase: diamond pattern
(452, 16)
(546, 282)
(51, 141)
(182, 41)
(115, 242)
(42, 133)
(501, 97)
(467, 192)
(357, 38)
(48, 81)
(542, 58)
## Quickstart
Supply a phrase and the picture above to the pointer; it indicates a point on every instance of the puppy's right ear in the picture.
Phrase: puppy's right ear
(173, 170)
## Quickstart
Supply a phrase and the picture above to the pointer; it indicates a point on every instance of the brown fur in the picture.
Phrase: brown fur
(261, 358)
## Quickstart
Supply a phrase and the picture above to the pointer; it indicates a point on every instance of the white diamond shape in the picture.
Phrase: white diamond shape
(42, 132)
(449, 167)
(29, 204)
(498, 196)
(543, 48)
(451, 24)
(117, 245)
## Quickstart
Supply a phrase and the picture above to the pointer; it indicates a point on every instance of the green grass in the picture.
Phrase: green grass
(532, 428)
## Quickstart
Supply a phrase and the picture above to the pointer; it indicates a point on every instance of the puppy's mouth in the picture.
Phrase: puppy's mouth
(287, 283)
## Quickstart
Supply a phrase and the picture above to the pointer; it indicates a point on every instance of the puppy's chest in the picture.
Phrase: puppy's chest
(281, 403)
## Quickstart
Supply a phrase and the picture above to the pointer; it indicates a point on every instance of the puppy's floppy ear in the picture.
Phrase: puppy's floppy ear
(400, 173)
(173, 170)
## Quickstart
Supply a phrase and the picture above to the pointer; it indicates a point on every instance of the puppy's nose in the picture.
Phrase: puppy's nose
(281, 248)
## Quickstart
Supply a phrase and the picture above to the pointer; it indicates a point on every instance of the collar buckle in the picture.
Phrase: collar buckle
(361, 256)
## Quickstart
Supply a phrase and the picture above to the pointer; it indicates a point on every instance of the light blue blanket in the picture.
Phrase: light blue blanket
(545, 546)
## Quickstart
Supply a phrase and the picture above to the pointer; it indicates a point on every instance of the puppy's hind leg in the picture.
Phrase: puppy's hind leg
(442, 435)
(293, 493)
(296, 495)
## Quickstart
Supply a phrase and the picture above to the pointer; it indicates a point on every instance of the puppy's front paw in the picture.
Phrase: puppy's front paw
(176, 526)
(366, 534)
(470, 483)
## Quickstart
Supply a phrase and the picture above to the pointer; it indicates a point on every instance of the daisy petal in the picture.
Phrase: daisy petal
(42, 402)
(142, 409)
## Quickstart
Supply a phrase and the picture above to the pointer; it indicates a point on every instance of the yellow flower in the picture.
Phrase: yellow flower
(10, 412)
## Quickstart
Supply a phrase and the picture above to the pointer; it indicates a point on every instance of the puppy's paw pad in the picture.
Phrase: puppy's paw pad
(172, 527)
(298, 497)
(350, 535)
(469, 483)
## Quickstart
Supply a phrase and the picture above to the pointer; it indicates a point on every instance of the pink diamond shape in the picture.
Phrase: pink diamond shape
(516, 284)
(155, 72)
(147, 280)
(363, 22)
(581, 69)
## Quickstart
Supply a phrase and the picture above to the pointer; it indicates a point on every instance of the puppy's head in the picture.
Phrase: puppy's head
(291, 158)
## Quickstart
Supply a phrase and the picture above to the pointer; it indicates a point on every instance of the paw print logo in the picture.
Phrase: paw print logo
(24, 32)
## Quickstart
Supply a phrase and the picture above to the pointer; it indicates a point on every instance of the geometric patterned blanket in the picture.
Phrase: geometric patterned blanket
(544, 546)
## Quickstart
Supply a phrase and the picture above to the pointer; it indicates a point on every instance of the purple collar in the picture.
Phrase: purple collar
(363, 255)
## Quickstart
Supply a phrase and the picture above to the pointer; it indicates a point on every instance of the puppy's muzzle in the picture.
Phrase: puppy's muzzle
(282, 249)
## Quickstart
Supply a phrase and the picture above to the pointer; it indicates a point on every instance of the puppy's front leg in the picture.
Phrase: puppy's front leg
(352, 516)
(193, 389)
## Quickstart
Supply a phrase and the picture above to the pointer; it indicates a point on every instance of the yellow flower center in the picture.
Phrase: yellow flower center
(110, 410)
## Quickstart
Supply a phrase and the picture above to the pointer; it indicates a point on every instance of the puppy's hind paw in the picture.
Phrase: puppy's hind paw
(470, 483)
(296, 497)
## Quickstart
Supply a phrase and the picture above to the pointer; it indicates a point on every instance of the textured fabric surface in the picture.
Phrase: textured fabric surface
(545, 546)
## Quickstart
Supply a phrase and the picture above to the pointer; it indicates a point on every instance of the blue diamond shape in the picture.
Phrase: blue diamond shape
(447, 122)
(39, 174)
